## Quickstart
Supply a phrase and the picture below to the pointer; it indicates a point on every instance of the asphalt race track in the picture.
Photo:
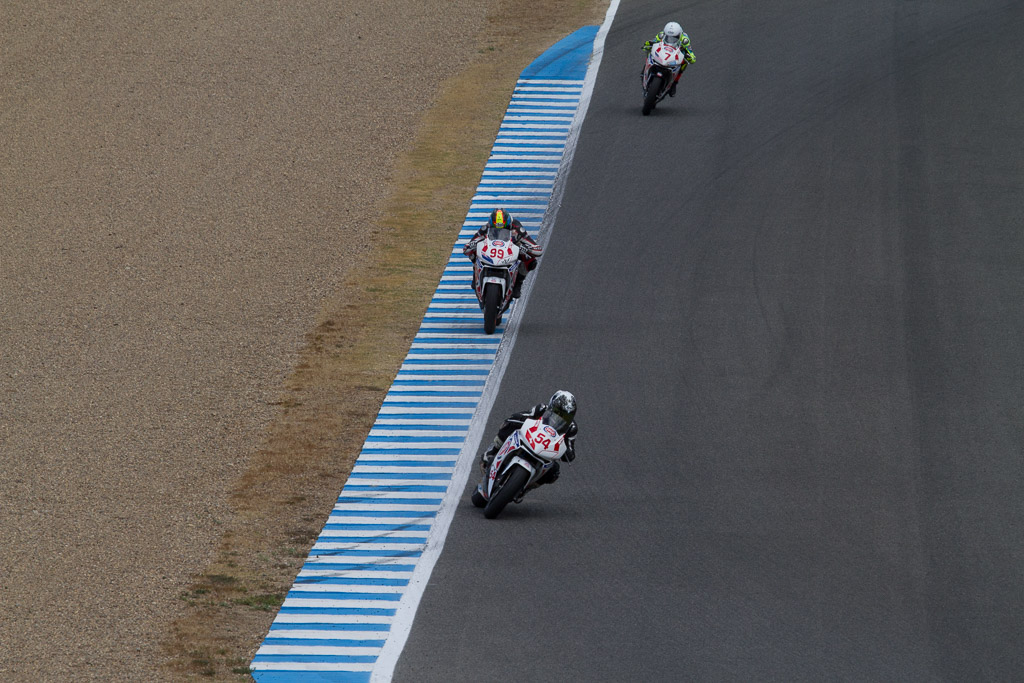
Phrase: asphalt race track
(791, 305)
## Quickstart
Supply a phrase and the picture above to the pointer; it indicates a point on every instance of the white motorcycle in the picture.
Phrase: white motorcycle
(527, 455)
(495, 270)
(663, 63)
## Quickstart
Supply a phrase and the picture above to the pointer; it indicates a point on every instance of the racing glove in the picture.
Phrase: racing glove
(647, 46)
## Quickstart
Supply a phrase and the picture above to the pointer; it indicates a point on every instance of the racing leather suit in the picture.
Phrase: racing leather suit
(529, 252)
(514, 422)
(688, 55)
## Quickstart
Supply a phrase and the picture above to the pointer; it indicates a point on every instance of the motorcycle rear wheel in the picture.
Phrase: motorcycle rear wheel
(514, 483)
(492, 302)
(651, 96)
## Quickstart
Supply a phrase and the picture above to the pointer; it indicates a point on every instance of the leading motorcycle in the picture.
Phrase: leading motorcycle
(526, 456)
(663, 63)
(495, 270)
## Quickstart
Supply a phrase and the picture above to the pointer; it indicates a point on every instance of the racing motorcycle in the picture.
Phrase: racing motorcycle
(495, 270)
(663, 63)
(526, 456)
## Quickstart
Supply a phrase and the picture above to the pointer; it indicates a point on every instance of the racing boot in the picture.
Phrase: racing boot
(672, 90)
(488, 456)
(517, 289)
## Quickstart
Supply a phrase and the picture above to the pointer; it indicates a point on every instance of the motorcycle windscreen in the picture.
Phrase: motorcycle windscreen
(499, 234)
(555, 420)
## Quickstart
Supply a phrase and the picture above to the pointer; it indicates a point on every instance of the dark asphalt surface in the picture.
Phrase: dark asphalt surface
(790, 304)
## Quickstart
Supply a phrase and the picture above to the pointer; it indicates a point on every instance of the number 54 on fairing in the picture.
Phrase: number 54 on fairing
(526, 456)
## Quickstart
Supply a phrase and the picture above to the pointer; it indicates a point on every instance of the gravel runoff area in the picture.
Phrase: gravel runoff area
(181, 184)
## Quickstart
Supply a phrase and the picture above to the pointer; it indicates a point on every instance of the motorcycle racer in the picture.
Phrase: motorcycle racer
(559, 413)
(673, 34)
(529, 250)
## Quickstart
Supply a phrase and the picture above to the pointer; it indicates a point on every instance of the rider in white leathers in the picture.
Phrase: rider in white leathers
(529, 250)
(559, 412)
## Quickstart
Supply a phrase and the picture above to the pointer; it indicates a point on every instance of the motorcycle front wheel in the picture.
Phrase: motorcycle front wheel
(651, 96)
(514, 483)
(492, 302)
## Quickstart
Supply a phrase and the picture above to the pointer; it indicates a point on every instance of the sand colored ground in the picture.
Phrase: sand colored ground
(219, 225)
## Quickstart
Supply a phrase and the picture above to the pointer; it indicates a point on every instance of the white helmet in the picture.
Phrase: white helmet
(671, 33)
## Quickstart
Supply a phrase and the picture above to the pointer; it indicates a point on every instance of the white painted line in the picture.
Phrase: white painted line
(563, 115)
(412, 432)
(333, 619)
(552, 81)
(385, 481)
(402, 469)
(315, 650)
(379, 561)
(536, 201)
(378, 499)
(566, 119)
(520, 158)
(530, 132)
(468, 348)
(414, 427)
(396, 398)
(438, 309)
(535, 208)
(520, 149)
(337, 518)
(562, 98)
(425, 421)
(366, 547)
(411, 510)
(389, 410)
(527, 215)
(540, 90)
(523, 164)
(544, 129)
(441, 365)
(384, 507)
(525, 182)
(383, 496)
(442, 318)
(455, 334)
(315, 602)
(466, 355)
(310, 666)
(435, 310)
(310, 634)
(347, 588)
(442, 376)
(351, 574)
(521, 172)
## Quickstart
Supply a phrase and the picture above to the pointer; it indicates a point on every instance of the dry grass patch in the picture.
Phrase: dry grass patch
(329, 403)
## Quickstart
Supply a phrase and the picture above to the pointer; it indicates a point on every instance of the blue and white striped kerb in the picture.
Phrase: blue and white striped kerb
(338, 614)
